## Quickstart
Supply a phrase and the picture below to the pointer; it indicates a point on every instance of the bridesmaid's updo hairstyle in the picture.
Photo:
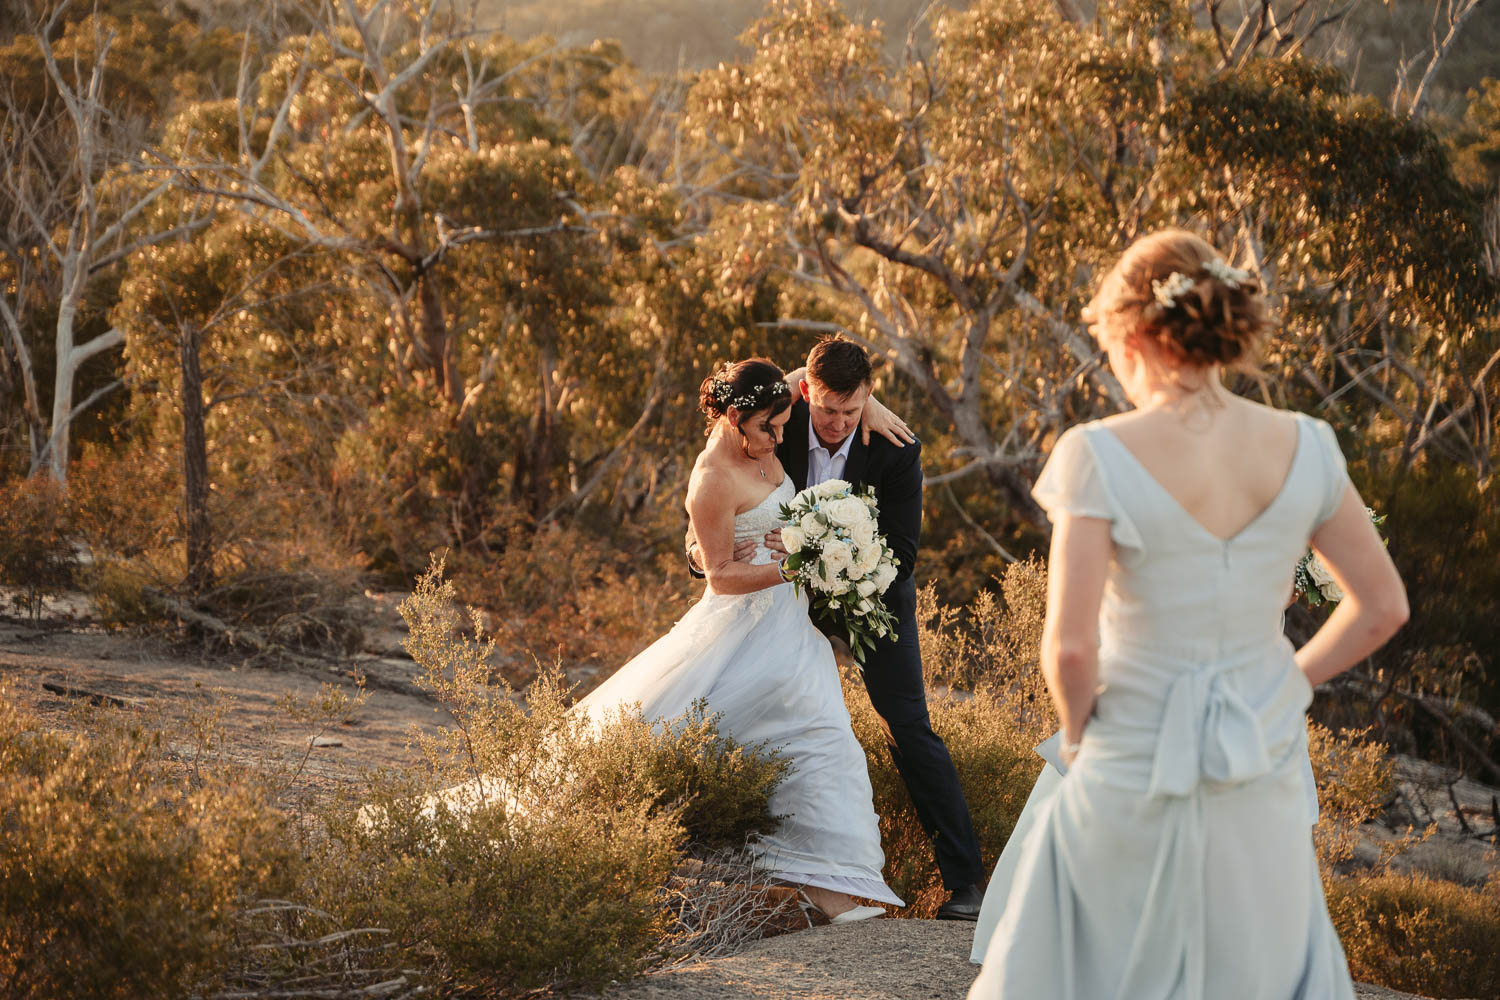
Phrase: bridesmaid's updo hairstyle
(1173, 290)
(749, 386)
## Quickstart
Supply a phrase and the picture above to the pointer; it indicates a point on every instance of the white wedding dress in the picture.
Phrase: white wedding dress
(759, 663)
(1174, 860)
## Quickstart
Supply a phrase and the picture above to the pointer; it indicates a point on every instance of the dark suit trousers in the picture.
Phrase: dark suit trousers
(893, 678)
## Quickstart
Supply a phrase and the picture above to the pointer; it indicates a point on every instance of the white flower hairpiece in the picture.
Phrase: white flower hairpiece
(1231, 276)
(1170, 290)
(757, 398)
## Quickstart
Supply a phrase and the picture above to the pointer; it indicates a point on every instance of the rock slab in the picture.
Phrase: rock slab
(871, 960)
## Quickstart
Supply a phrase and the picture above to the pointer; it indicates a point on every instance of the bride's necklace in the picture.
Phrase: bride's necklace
(760, 466)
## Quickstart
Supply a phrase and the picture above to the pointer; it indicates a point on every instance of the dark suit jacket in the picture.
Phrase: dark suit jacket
(896, 475)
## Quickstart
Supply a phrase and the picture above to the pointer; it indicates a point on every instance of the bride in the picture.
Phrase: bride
(750, 651)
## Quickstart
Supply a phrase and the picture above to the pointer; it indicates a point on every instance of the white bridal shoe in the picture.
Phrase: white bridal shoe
(858, 913)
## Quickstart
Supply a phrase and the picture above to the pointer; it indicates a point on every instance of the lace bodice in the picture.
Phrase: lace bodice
(764, 517)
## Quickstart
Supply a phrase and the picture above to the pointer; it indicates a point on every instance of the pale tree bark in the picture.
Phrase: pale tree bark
(61, 213)
(1448, 19)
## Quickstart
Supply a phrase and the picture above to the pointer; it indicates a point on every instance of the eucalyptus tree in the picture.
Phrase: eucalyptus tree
(76, 103)
(498, 317)
(951, 209)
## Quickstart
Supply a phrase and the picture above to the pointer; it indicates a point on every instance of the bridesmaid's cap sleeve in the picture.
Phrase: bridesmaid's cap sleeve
(1070, 482)
(1335, 472)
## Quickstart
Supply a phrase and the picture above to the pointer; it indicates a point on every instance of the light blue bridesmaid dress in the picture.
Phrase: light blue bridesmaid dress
(1174, 860)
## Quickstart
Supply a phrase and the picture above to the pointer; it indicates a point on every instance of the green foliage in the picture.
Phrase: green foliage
(1476, 139)
(36, 548)
(119, 872)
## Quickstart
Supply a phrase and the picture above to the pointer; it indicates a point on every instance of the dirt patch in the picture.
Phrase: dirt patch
(871, 960)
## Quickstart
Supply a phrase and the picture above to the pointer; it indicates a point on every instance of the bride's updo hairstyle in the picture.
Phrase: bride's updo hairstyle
(749, 386)
(1173, 290)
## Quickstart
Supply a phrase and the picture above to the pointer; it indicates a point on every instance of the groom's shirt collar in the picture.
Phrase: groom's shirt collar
(823, 465)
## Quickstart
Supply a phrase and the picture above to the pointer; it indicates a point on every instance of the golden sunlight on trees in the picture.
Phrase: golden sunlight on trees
(293, 297)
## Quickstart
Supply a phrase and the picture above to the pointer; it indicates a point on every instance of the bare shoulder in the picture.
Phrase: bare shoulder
(712, 481)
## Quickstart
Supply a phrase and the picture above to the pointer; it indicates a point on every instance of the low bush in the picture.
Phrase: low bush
(544, 863)
(121, 872)
(1417, 934)
(564, 593)
(36, 548)
(996, 767)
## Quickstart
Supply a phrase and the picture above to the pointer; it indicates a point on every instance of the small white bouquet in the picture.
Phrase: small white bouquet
(1313, 581)
(835, 551)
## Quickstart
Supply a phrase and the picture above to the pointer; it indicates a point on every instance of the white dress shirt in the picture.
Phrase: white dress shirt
(823, 465)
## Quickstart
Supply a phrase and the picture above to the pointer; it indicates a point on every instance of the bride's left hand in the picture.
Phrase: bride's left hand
(878, 419)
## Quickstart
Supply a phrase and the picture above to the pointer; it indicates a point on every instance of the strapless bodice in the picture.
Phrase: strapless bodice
(764, 517)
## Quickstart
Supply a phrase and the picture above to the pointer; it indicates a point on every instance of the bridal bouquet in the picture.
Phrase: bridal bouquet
(1313, 581)
(834, 550)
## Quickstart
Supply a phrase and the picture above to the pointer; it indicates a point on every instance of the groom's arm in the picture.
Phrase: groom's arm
(899, 492)
(742, 552)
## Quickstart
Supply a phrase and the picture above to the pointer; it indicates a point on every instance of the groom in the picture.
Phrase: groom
(821, 443)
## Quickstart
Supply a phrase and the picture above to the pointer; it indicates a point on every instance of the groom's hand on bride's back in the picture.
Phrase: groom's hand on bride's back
(772, 542)
(743, 552)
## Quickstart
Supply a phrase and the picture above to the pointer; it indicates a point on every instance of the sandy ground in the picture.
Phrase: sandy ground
(872, 960)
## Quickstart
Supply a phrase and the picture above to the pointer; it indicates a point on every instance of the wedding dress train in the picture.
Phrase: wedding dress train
(758, 662)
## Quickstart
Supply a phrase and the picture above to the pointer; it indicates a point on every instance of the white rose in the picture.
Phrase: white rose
(867, 559)
(1318, 571)
(865, 587)
(830, 488)
(863, 533)
(839, 586)
(1331, 591)
(837, 556)
(846, 512)
(885, 576)
(864, 607)
(793, 539)
(812, 528)
(870, 501)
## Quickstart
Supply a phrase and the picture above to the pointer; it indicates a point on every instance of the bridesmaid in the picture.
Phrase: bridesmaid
(1172, 860)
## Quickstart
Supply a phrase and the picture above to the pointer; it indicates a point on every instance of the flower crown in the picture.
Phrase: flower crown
(757, 398)
(1170, 290)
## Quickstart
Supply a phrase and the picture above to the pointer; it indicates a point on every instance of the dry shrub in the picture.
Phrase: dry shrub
(1405, 931)
(1355, 779)
(992, 640)
(551, 871)
(996, 766)
(1418, 934)
(722, 902)
(563, 593)
(36, 549)
(120, 873)
(125, 504)
(288, 950)
(282, 579)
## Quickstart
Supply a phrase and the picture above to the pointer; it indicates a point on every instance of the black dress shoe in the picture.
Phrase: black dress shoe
(963, 904)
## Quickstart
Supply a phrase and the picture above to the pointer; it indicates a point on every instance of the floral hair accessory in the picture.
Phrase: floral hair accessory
(1169, 290)
(757, 398)
(1231, 276)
